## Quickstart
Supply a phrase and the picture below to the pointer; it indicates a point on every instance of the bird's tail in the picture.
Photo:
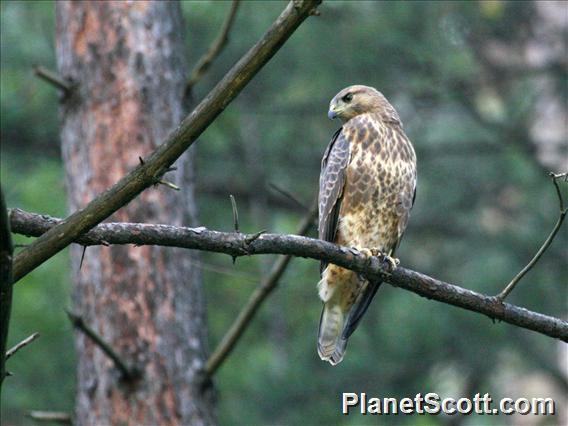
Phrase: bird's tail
(331, 344)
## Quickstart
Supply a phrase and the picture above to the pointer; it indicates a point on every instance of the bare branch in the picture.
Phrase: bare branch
(247, 192)
(145, 175)
(235, 244)
(6, 280)
(288, 195)
(20, 345)
(227, 344)
(55, 80)
(128, 373)
(51, 416)
(501, 296)
(214, 50)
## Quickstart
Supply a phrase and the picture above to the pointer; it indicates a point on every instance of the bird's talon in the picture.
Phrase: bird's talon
(376, 252)
(390, 263)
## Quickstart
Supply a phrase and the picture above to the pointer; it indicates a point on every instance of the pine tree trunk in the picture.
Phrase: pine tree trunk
(127, 61)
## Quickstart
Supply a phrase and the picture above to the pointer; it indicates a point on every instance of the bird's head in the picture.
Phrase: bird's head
(358, 99)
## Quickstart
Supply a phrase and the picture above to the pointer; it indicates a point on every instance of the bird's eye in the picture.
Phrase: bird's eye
(347, 98)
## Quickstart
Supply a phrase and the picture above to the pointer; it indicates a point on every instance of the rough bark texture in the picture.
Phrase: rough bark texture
(125, 58)
(237, 244)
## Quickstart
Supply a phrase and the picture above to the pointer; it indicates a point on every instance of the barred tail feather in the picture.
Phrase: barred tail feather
(339, 351)
(331, 346)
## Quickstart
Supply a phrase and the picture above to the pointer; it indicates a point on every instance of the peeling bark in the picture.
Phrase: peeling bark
(126, 62)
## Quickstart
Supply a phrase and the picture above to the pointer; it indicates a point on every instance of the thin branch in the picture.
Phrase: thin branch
(246, 192)
(289, 196)
(235, 244)
(54, 79)
(6, 280)
(128, 373)
(51, 416)
(145, 175)
(243, 320)
(509, 288)
(20, 345)
(169, 184)
(235, 213)
(214, 50)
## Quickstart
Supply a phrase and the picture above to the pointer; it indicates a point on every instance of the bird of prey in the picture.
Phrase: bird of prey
(367, 189)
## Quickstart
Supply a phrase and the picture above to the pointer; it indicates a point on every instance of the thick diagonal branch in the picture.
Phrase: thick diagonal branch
(236, 244)
(151, 170)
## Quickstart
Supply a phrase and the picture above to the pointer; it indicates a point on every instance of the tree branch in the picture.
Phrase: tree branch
(55, 80)
(227, 344)
(128, 373)
(509, 288)
(214, 50)
(20, 345)
(51, 416)
(236, 244)
(6, 280)
(151, 171)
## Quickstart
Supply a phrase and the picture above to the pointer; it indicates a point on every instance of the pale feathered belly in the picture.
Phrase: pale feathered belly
(374, 226)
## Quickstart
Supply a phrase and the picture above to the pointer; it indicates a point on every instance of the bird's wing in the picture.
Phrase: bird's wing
(406, 202)
(332, 182)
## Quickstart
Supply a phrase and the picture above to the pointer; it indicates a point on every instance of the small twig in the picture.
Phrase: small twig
(51, 416)
(214, 50)
(243, 320)
(289, 196)
(501, 296)
(251, 238)
(128, 373)
(235, 214)
(235, 220)
(55, 80)
(82, 257)
(20, 345)
(168, 184)
(163, 181)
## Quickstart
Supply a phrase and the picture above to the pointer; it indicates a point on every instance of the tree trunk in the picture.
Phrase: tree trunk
(126, 59)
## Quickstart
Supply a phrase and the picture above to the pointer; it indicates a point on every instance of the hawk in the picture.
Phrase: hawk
(367, 189)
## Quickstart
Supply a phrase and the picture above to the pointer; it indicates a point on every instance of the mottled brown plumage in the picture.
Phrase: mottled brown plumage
(367, 188)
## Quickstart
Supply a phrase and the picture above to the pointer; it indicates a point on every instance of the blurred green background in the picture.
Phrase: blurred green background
(481, 89)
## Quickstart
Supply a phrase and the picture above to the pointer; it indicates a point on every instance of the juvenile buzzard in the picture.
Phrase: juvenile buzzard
(367, 188)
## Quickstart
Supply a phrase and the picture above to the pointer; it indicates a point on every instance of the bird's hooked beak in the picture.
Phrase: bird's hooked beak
(332, 113)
